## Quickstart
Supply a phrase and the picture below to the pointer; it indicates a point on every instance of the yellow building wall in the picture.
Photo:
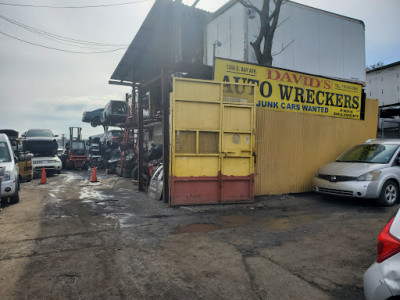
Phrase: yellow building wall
(290, 147)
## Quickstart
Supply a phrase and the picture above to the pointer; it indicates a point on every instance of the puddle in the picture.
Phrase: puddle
(226, 222)
(124, 219)
(91, 195)
(236, 220)
(287, 223)
(196, 228)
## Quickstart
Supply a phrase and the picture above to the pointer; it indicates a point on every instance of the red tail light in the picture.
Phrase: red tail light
(151, 170)
(388, 245)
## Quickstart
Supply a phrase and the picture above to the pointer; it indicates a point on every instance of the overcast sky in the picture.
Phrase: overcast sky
(47, 88)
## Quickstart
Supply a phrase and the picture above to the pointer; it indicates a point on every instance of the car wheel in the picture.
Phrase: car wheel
(119, 169)
(15, 198)
(389, 193)
(127, 173)
(95, 122)
(135, 173)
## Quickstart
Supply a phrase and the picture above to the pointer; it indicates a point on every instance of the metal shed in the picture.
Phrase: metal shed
(169, 43)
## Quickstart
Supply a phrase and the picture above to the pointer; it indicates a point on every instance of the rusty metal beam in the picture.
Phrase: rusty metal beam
(140, 139)
(124, 83)
(165, 90)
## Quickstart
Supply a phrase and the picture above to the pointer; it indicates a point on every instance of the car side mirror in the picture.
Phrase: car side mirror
(397, 161)
(16, 159)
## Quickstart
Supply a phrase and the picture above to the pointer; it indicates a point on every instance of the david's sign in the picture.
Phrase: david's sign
(284, 90)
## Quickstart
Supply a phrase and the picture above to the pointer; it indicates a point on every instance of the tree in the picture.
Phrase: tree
(375, 66)
(268, 20)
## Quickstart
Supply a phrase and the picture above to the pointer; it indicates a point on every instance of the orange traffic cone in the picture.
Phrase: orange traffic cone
(94, 176)
(43, 180)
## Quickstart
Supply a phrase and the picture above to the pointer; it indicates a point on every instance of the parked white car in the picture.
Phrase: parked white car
(382, 279)
(8, 170)
(368, 170)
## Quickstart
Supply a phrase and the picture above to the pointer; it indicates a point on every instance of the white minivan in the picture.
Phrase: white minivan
(8, 171)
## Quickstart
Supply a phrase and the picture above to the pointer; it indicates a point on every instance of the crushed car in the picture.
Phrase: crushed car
(43, 145)
(93, 117)
(114, 113)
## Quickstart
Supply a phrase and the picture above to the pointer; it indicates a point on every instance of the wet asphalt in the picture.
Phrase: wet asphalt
(106, 240)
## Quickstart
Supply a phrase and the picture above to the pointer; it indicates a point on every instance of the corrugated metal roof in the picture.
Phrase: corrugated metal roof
(156, 44)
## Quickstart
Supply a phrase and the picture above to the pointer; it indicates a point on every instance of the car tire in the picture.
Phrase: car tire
(145, 177)
(15, 198)
(119, 169)
(389, 194)
(135, 172)
(95, 122)
(127, 173)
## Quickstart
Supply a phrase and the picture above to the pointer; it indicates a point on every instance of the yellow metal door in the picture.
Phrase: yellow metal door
(237, 162)
(237, 139)
(212, 131)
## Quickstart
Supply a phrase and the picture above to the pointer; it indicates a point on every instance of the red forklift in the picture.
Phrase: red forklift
(75, 156)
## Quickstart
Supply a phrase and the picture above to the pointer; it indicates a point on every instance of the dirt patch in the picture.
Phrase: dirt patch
(287, 223)
(236, 220)
(196, 228)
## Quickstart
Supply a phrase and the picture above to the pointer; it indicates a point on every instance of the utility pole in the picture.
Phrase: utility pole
(178, 30)
(63, 140)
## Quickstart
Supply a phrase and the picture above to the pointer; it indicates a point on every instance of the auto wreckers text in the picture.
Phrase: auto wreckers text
(284, 90)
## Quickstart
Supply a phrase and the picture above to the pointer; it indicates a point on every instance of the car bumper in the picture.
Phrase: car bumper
(375, 286)
(359, 189)
(53, 167)
(7, 188)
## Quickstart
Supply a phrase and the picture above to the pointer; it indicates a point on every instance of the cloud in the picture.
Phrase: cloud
(69, 107)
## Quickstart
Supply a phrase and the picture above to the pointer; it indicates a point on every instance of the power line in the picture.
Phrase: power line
(85, 6)
(59, 38)
(59, 49)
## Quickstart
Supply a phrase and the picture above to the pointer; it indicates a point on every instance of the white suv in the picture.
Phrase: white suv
(9, 171)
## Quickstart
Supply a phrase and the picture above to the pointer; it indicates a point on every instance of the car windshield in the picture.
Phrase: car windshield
(4, 153)
(116, 133)
(118, 107)
(369, 153)
(78, 145)
(115, 155)
(39, 133)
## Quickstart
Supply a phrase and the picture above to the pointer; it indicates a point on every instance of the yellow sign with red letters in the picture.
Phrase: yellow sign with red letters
(285, 90)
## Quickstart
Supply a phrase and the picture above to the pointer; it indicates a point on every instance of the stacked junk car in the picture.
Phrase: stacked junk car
(116, 150)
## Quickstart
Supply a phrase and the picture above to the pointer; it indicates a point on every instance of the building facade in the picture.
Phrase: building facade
(306, 39)
(384, 84)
